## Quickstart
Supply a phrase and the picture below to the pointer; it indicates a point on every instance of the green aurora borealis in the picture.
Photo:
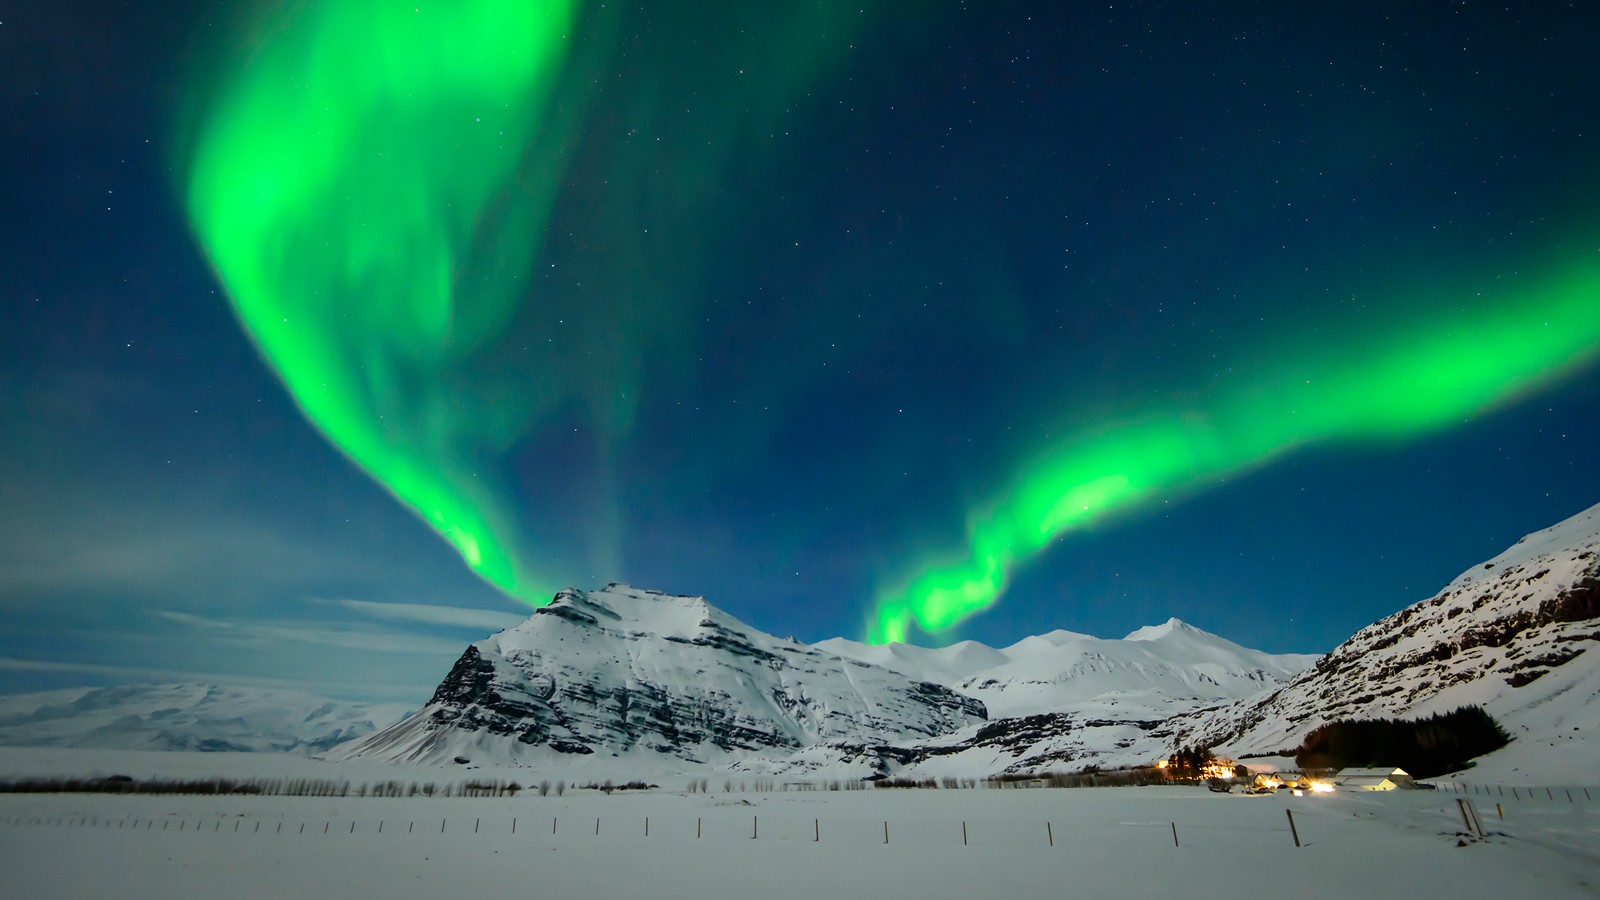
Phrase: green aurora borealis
(357, 189)
(1415, 380)
(373, 183)
(376, 185)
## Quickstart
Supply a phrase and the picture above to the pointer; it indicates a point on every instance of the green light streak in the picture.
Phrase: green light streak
(358, 184)
(1410, 382)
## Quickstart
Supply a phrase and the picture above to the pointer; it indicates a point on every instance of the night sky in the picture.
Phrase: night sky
(335, 334)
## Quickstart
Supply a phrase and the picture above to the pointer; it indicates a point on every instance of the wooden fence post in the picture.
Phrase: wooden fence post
(816, 830)
(963, 833)
(1049, 834)
(886, 831)
(1174, 834)
(1293, 830)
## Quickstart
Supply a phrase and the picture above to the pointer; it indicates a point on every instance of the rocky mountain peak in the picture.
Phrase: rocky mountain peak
(625, 671)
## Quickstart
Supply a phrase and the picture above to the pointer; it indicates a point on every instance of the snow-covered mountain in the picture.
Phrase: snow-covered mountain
(1065, 701)
(621, 680)
(188, 717)
(1515, 635)
(640, 674)
(1157, 670)
(644, 675)
(1512, 635)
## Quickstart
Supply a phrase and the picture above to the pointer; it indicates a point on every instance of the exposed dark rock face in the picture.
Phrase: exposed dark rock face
(622, 671)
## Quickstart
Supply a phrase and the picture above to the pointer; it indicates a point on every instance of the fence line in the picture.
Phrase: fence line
(1507, 803)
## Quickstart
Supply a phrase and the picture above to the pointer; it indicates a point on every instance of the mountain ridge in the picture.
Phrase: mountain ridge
(619, 678)
(189, 716)
(629, 672)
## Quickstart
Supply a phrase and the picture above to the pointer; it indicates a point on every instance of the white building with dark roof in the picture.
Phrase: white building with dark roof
(1374, 779)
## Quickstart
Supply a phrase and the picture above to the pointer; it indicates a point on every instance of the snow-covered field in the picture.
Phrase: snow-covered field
(1107, 842)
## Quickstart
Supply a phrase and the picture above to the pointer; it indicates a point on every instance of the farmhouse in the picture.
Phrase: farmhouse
(1374, 779)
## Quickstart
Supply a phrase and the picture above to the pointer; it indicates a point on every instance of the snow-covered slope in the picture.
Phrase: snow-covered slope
(662, 682)
(1512, 635)
(631, 673)
(188, 717)
(1515, 635)
(1155, 671)
(665, 680)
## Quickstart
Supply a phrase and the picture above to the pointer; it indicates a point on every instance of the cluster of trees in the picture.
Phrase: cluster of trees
(1425, 748)
(1188, 763)
(1092, 776)
(607, 786)
(123, 784)
(270, 787)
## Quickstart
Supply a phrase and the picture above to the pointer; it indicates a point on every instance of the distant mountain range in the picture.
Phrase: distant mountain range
(625, 672)
(663, 681)
(669, 681)
(188, 717)
(620, 680)
(1512, 635)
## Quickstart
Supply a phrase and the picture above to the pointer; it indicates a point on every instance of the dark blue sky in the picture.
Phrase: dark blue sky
(979, 229)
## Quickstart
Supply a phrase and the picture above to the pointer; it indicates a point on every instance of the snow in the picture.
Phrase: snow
(623, 672)
(1154, 672)
(188, 717)
(810, 843)
(1109, 842)
(1433, 657)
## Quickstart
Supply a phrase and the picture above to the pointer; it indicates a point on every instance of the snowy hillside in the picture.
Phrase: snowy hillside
(620, 681)
(1156, 670)
(1062, 701)
(1515, 635)
(673, 681)
(1511, 635)
(631, 673)
(188, 717)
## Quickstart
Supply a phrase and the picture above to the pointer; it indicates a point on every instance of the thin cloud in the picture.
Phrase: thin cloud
(427, 614)
(146, 675)
(330, 634)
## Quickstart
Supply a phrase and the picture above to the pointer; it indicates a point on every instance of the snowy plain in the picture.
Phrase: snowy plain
(1089, 842)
